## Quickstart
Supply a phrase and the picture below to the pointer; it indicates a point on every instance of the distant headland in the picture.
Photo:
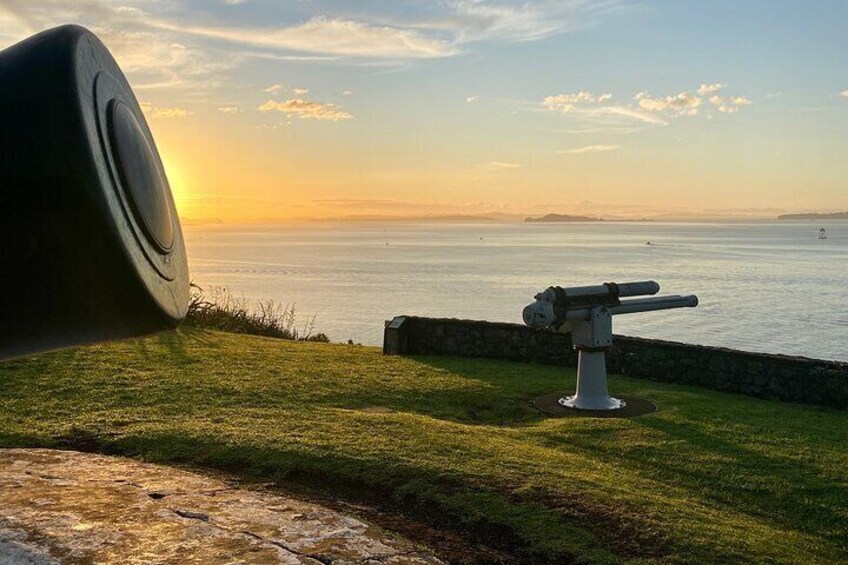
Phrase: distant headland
(815, 216)
(563, 218)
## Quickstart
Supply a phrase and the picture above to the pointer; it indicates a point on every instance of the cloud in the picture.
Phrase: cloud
(506, 20)
(568, 102)
(347, 93)
(502, 165)
(844, 93)
(300, 91)
(307, 109)
(589, 149)
(597, 110)
(157, 112)
(229, 109)
(333, 36)
(152, 58)
(192, 50)
(706, 89)
(472, 99)
(616, 113)
(399, 208)
(687, 104)
(683, 104)
(369, 30)
(729, 105)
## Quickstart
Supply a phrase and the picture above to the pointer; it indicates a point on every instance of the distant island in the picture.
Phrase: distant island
(552, 218)
(814, 216)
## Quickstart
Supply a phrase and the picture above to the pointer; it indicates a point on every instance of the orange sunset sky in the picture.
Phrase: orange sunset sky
(270, 110)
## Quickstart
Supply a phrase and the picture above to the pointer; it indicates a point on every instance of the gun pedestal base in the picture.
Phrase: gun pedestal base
(635, 406)
(592, 392)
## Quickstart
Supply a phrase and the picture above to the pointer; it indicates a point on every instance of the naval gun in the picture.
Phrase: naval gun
(586, 312)
(90, 241)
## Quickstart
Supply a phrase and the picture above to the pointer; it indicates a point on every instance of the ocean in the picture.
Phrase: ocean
(763, 286)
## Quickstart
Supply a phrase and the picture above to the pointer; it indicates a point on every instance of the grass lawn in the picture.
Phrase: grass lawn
(710, 478)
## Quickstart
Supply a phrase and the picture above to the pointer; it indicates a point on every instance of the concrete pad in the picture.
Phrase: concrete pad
(71, 507)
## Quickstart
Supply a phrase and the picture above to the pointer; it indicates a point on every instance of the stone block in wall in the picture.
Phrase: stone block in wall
(394, 336)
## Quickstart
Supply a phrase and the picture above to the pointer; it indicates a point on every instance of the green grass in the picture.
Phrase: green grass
(710, 478)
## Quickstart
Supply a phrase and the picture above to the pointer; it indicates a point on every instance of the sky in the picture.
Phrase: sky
(271, 109)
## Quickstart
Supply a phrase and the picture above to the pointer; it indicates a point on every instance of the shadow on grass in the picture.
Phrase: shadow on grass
(549, 526)
(524, 530)
(487, 392)
(523, 526)
(773, 488)
(805, 499)
(498, 393)
(532, 527)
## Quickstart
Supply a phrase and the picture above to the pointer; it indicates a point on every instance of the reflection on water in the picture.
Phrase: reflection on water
(771, 287)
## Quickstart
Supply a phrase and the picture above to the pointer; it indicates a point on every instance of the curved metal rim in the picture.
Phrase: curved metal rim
(107, 92)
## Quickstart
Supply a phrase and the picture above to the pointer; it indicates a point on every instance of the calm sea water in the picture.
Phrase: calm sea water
(772, 287)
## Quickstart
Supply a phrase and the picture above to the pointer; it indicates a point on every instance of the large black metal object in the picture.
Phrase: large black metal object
(90, 242)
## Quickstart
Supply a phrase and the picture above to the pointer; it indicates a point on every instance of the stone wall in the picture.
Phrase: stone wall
(780, 377)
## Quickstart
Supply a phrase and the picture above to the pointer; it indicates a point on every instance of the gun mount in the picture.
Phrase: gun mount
(586, 312)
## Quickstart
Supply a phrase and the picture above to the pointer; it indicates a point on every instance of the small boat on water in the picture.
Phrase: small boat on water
(822, 233)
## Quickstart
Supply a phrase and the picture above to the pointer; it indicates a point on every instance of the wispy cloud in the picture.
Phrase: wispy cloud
(589, 149)
(844, 93)
(688, 104)
(598, 109)
(333, 36)
(157, 112)
(502, 165)
(729, 105)
(569, 102)
(505, 20)
(616, 113)
(307, 109)
(602, 111)
(683, 104)
(707, 89)
(438, 29)
(153, 58)
(191, 50)
(229, 109)
(382, 206)
(472, 99)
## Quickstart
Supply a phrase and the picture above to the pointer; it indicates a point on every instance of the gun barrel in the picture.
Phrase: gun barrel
(541, 313)
(618, 289)
(655, 303)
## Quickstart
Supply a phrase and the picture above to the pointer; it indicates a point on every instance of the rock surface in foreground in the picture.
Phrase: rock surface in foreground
(70, 507)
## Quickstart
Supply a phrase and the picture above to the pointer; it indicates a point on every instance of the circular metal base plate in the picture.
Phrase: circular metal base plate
(608, 403)
(634, 406)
